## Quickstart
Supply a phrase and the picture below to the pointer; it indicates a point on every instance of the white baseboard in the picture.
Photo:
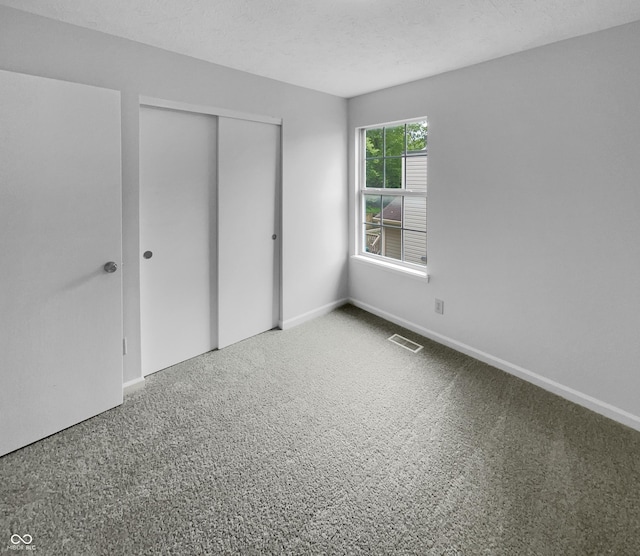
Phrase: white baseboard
(603, 408)
(132, 385)
(324, 310)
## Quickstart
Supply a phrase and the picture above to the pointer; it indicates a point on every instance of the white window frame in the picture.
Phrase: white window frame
(361, 190)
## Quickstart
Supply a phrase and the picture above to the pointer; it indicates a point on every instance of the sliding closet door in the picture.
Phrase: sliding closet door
(177, 236)
(248, 242)
(60, 239)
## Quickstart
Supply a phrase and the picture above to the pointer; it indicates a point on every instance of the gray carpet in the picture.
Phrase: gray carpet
(328, 439)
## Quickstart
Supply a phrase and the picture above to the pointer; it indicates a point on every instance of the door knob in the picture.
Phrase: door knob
(110, 267)
(147, 254)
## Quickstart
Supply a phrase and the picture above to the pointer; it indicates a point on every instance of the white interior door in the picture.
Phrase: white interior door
(177, 227)
(248, 255)
(60, 222)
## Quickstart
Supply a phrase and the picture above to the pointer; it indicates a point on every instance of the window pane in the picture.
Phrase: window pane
(416, 136)
(374, 172)
(394, 140)
(416, 169)
(392, 242)
(373, 142)
(415, 247)
(372, 208)
(415, 213)
(393, 222)
(393, 173)
(392, 211)
(371, 241)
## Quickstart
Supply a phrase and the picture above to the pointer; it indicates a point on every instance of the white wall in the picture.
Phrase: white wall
(534, 216)
(314, 147)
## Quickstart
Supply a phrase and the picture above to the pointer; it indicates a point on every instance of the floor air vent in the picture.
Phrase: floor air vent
(405, 343)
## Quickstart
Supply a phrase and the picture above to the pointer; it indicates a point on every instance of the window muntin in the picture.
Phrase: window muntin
(393, 193)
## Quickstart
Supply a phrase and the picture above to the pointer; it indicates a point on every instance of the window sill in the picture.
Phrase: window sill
(390, 267)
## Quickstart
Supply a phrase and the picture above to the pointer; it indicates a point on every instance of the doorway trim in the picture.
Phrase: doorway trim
(209, 110)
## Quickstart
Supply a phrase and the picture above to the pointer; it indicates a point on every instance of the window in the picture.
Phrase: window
(393, 193)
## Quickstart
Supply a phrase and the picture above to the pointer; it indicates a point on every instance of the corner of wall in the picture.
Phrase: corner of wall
(310, 315)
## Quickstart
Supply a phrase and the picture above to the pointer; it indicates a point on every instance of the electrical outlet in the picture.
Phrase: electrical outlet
(440, 306)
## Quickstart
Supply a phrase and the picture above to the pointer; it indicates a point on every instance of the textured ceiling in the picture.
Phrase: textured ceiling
(344, 47)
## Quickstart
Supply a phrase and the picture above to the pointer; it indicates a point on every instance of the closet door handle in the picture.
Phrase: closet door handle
(110, 267)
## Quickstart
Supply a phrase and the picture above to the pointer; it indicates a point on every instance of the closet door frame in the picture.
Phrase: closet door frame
(155, 102)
